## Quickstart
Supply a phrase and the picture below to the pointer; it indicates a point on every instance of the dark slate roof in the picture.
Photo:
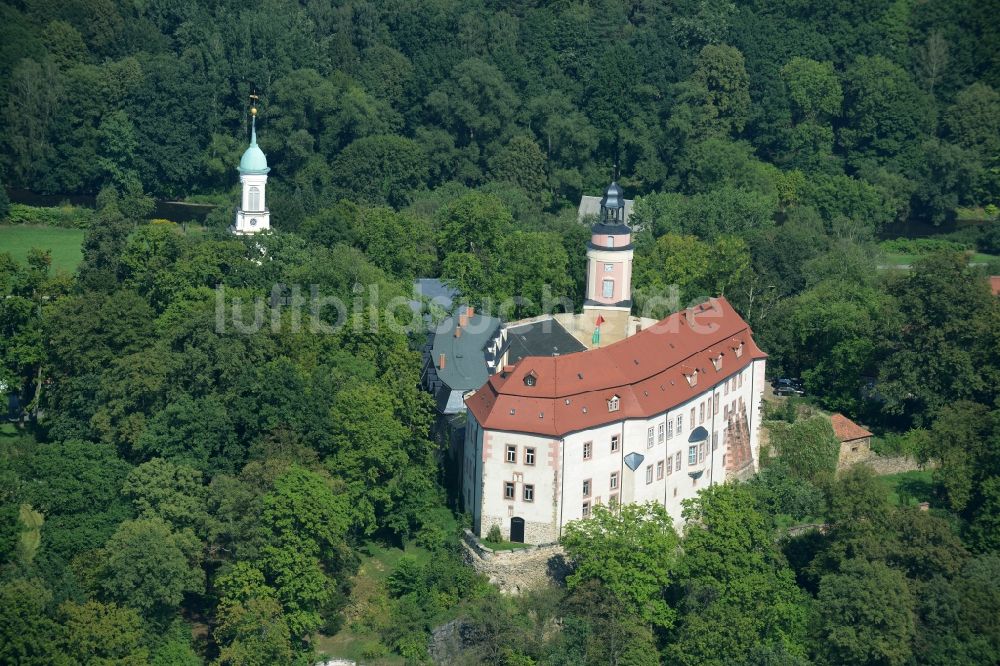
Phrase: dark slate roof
(545, 338)
(465, 360)
(436, 291)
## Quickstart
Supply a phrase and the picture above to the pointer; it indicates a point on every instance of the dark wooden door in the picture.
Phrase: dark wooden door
(517, 529)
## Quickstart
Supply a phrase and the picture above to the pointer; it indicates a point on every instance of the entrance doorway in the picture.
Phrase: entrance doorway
(517, 529)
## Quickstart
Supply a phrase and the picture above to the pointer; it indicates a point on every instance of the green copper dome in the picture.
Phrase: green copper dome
(253, 160)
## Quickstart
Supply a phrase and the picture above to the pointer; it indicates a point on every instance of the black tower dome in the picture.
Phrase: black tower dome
(613, 205)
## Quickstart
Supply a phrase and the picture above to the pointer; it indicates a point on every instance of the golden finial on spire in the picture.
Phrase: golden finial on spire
(253, 103)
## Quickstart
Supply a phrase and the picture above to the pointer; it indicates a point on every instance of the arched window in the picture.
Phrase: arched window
(253, 202)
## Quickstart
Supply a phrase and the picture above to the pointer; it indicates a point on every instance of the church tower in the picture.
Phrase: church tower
(609, 261)
(252, 216)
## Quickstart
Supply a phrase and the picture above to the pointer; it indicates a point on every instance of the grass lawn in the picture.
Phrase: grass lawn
(910, 488)
(63, 243)
(897, 260)
(8, 431)
(505, 545)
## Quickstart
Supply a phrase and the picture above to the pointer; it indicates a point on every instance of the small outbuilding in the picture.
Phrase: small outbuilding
(855, 441)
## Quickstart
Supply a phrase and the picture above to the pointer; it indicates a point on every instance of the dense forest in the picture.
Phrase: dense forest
(180, 492)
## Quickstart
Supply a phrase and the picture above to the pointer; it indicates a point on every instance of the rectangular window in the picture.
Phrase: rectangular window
(586, 488)
(659, 470)
(680, 423)
(649, 438)
(692, 455)
(511, 453)
(692, 417)
(661, 432)
(508, 490)
(725, 413)
(670, 429)
(529, 456)
(741, 380)
(677, 461)
(701, 452)
(715, 440)
(701, 412)
(613, 481)
(615, 442)
(608, 289)
(709, 405)
(649, 473)
(670, 465)
(586, 510)
(716, 403)
(529, 492)
(609, 268)
(588, 450)
(726, 390)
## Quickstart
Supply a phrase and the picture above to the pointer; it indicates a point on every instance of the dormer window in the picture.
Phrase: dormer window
(717, 362)
(692, 378)
(530, 379)
(614, 403)
(611, 241)
(738, 349)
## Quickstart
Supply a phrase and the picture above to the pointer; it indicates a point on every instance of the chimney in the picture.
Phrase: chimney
(458, 331)
(440, 361)
(470, 311)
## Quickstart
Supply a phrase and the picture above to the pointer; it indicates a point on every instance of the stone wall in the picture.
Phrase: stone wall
(854, 451)
(516, 571)
(882, 464)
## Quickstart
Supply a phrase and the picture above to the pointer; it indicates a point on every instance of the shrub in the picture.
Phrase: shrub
(66, 216)
(494, 535)
(921, 246)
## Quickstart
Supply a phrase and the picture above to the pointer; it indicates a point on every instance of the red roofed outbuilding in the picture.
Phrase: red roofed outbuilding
(855, 441)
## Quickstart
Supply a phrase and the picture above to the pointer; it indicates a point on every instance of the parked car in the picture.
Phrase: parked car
(786, 386)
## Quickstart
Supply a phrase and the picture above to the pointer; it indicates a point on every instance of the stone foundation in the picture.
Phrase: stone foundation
(516, 571)
(534, 532)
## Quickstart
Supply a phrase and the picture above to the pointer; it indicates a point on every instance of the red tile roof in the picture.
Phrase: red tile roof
(647, 372)
(847, 430)
(995, 284)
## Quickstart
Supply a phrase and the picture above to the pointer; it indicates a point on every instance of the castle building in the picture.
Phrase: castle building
(656, 411)
(252, 215)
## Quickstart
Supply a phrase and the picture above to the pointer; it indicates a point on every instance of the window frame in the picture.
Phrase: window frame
(588, 450)
(508, 457)
(588, 487)
(512, 487)
(529, 455)
(528, 489)
(613, 481)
